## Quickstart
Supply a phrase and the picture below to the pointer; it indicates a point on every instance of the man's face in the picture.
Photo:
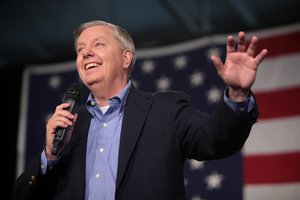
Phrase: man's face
(100, 57)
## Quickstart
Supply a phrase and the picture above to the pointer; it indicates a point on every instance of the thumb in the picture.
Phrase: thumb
(217, 62)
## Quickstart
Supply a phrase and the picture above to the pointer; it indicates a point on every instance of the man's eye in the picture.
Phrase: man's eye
(79, 50)
(98, 44)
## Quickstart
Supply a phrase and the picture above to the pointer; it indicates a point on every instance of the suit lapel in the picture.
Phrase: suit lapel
(136, 111)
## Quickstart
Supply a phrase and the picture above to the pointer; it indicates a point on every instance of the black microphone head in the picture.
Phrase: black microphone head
(74, 92)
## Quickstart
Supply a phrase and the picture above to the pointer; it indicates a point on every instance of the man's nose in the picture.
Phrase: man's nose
(87, 52)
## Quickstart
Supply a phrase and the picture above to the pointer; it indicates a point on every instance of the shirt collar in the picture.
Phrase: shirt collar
(121, 97)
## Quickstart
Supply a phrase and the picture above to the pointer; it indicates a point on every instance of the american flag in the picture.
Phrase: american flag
(268, 167)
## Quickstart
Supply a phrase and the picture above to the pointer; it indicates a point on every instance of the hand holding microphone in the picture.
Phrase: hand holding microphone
(60, 121)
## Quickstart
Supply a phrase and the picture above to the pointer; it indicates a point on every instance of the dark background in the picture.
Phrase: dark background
(36, 32)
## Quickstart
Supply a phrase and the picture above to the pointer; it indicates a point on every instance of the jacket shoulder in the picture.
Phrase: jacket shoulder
(170, 95)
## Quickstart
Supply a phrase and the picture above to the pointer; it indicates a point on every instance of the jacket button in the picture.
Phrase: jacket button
(30, 183)
(33, 178)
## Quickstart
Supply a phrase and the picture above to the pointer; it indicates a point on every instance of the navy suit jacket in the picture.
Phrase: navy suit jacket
(159, 132)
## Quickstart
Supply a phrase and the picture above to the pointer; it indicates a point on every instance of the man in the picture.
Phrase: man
(129, 145)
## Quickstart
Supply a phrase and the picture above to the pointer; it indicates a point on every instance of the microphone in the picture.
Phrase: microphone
(73, 97)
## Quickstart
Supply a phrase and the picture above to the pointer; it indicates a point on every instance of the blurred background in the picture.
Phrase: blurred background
(41, 33)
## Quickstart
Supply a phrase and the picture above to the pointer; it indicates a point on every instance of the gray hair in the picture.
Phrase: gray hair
(120, 34)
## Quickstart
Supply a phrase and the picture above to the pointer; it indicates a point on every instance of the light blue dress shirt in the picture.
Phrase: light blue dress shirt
(103, 147)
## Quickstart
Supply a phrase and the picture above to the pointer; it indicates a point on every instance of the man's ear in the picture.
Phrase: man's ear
(127, 58)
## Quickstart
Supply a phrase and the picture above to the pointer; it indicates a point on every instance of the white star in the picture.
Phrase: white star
(213, 51)
(180, 62)
(54, 82)
(214, 181)
(197, 197)
(196, 79)
(163, 83)
(214, 95)
(196, 165)
(148, 66)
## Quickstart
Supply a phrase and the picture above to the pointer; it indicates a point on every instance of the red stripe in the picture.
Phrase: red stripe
(279, 103)
(279, 168)
(280, 45)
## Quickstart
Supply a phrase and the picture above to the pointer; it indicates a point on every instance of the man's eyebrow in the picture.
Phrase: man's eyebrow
(94, 40)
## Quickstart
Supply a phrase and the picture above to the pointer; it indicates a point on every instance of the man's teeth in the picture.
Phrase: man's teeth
(90, 65)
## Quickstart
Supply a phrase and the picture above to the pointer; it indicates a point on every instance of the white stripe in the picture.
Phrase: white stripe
(211, 40)
(178, 48)
(277, 73)
(289, 191)
(276, 31)
(51, 68)
(21, 144)
(274, 136)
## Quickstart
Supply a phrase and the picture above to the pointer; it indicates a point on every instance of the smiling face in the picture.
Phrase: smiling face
(102, 63)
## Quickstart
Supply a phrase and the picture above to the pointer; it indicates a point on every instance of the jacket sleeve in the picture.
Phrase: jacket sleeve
(25, 185)
(204, 137)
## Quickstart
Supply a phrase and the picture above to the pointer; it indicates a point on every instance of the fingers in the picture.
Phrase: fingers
(261, 56)
(61, 121)
(61, 110)
(241, 46)
(230, 44)
(241, 41)
(60, 118)
(252, 46)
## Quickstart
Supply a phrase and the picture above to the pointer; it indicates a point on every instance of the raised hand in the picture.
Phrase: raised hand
(240, 67)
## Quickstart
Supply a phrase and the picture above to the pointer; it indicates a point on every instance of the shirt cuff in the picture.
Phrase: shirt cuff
(46, 164)
(243, 107)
